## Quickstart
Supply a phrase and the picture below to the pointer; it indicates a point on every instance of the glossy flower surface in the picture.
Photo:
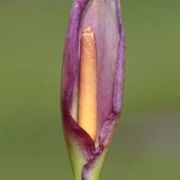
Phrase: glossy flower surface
(104, 18)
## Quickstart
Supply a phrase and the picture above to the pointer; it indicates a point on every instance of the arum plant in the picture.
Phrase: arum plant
(92, 84)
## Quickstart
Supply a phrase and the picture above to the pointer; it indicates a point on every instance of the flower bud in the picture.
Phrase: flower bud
(92, 83)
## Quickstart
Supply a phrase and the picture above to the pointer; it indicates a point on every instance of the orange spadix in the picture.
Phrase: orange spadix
(87, 110)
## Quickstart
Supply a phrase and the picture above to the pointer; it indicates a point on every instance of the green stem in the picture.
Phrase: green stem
(94, 172)
(91, 177)
(78, 160)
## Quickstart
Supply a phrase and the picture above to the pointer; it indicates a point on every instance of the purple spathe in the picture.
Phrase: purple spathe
(104, 17)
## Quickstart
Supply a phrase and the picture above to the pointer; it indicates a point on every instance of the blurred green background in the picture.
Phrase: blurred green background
(147, 143)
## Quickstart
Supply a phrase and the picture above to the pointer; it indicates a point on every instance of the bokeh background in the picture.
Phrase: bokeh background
(147, 143)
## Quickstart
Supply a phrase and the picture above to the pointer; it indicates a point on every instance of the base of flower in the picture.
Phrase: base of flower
(93, 172)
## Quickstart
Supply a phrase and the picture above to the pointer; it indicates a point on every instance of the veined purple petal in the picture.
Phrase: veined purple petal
(104, 17)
